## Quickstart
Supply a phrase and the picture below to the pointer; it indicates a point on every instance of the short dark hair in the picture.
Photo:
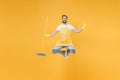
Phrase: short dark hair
(64, 16)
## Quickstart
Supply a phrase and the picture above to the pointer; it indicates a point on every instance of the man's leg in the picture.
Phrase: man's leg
(56, 49)
(71, 49)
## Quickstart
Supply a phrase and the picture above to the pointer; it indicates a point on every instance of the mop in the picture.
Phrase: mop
(42, 42)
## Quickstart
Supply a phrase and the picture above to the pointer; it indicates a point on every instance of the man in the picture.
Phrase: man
(65, 41)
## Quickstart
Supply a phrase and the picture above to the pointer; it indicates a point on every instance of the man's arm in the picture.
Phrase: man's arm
(77, 31)
(52, 34)
(80, 30)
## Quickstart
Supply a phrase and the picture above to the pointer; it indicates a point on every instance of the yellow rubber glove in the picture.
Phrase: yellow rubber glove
(47, 35)
(83, 27)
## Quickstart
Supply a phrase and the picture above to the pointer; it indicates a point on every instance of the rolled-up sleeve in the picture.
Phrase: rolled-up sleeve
(58, 28)
(71, 27)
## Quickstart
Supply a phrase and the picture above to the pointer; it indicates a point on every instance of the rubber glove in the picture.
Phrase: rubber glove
(83, 27)
(47, 35)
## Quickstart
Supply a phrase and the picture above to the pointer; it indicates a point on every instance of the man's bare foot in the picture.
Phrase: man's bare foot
(66, 55)
(69, 54)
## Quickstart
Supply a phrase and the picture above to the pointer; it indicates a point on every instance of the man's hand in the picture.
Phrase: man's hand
(51, 34)
(83, 27)
(47, 35)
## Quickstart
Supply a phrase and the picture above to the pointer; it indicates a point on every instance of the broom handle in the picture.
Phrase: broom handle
(45, 28)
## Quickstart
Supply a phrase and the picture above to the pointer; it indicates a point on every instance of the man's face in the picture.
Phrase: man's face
(64, 19)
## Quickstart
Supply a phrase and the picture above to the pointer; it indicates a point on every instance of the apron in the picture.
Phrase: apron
(65, 39)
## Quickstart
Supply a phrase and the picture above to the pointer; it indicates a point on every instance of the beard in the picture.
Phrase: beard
(64, 22)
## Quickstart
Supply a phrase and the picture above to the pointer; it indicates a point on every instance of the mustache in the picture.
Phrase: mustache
(64, 21)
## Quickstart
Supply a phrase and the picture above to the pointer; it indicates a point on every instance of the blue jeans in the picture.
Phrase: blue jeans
(70, 49)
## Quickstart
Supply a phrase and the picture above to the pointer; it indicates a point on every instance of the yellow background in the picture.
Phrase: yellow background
(21, 32)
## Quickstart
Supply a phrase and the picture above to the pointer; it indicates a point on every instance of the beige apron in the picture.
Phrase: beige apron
(65, 37)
